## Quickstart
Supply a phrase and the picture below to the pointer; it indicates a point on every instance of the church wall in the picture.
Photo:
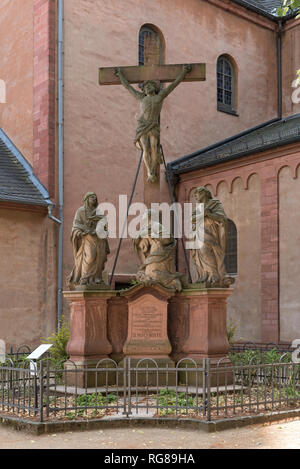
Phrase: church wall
(100, 121)
(28, 277)
(290, 65)
(16, 70)
(289, 228)
(243, 208)
(266, 258)
(44, 90)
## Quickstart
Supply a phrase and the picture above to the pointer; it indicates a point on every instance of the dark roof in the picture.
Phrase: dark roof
(17, 180)
(265, 7)
(269, 135)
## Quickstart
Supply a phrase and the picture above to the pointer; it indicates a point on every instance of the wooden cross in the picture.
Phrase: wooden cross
(162, 73)
(154, 72)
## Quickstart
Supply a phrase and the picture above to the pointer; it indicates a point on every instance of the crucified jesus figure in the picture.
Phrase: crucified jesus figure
(147, 136)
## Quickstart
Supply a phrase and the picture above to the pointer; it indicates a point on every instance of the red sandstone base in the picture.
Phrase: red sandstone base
(147, 322)
(147, 337)
(88, 342)
(206, 335)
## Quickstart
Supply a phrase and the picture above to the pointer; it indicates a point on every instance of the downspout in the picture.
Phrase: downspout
(50, 209)
(279, 68)
(279, 94)
(60, 160)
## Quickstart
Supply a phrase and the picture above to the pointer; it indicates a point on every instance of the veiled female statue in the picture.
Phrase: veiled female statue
(90, 250)
(209, 258)
(156, 248)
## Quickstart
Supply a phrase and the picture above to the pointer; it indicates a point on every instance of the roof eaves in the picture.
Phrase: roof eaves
(222, 142)
(27, 167)
(256, 9)
(24, 202)
(185, 164)
(242, 154)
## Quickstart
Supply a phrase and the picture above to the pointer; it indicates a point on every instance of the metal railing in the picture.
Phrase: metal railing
(260, 347)
(207, 390)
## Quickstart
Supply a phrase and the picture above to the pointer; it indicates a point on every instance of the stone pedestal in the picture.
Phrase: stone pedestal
(206, 329)
(147, 331)
(117, 326)
(88, 340)
(178, 324)
(207, 337)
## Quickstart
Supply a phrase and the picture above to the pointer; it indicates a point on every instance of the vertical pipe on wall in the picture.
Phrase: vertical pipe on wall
(279, 68)
(60, 6)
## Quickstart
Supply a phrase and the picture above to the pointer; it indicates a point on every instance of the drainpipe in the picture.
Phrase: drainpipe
(60, 10)
(279, 68)
(50, 209)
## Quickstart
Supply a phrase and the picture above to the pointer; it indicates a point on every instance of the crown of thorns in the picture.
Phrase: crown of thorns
(151, 82)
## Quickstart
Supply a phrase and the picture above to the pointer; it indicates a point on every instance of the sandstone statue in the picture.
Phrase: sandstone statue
(147, 136)
(209, 258)
(90, 245)
(156, 248)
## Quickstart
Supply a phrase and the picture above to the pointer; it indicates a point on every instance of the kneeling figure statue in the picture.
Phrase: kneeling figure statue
(156, 248)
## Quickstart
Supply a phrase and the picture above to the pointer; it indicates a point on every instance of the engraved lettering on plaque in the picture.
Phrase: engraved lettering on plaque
(147, 324)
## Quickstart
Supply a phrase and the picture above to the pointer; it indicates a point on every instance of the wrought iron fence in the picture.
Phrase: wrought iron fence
(17, 353)
(235, 348)
(260, 347)
(207, 390)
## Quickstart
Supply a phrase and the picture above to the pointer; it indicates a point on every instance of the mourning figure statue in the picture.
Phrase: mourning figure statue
(209, 257)
(90, 245)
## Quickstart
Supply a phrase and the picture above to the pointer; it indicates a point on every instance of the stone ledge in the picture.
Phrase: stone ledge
(40, 428)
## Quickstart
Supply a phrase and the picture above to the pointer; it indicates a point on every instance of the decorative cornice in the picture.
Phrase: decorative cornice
(6, 205)
(258, 157)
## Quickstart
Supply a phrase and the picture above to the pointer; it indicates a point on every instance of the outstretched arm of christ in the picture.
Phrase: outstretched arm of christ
(127, 85)
(166, 91)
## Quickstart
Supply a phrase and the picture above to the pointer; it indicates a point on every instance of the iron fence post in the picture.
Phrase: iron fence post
(208, 396)
(129, 387)
(41, 386)
(47, 387)
(204, 379)
(125, 387)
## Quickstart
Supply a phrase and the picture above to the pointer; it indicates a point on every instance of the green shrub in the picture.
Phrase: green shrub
(170, 398)
(94, 400)
(58, 353)
(257, 357)
(231, 328)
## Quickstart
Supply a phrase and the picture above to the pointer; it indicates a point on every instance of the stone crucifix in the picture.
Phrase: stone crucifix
(151, 99)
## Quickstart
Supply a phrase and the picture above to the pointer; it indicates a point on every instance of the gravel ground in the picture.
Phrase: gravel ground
(267, 436)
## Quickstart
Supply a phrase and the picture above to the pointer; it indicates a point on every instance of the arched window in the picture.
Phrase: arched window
(225, 85)
(150, 46)
(231, 249)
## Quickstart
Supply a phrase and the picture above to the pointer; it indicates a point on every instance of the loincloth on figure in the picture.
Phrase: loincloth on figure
(143, 128)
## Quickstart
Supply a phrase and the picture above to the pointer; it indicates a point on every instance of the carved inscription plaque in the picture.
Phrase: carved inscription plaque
(147, 327)
(147, 324)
